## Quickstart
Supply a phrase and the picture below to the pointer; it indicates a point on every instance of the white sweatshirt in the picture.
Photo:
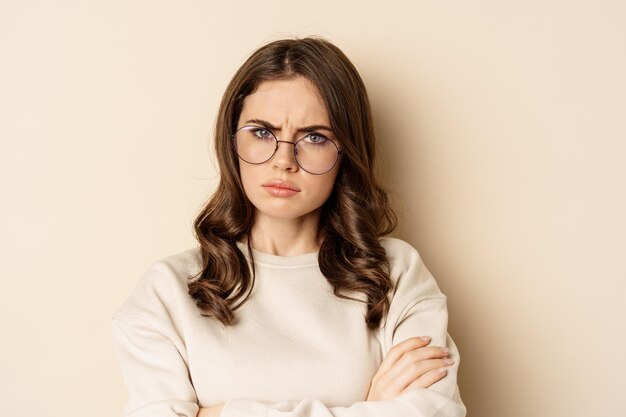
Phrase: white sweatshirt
(297, 351)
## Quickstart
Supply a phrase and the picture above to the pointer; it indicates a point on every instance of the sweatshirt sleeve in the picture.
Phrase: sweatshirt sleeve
(417, 308)
(154, 372)
(151, 351)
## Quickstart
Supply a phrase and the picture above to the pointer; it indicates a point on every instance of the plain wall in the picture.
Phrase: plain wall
(501, 131)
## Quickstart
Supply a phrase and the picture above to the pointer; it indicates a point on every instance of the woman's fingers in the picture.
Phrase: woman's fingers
(399, 350)
(426, 380)
(411, 363)
(417, 370)
(414, 371)
(417, 358)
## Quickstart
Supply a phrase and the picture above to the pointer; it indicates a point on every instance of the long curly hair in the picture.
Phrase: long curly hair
(352, 220)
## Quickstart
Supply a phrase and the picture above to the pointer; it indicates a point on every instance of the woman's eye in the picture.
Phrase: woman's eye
(263, 133)
(316, 139)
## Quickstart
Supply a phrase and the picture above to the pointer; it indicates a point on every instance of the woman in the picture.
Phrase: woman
(294, 304)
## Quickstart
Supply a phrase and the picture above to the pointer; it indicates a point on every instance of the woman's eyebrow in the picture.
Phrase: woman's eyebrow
(310, 128)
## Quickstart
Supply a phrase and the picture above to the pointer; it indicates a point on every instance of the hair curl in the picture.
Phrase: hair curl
(352, 220)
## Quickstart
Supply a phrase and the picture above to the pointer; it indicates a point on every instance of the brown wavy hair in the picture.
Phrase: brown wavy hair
(354, 217)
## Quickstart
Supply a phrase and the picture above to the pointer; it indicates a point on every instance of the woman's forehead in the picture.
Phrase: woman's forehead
(295, 101)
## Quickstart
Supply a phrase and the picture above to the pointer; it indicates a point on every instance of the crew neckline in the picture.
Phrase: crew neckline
(263, 258)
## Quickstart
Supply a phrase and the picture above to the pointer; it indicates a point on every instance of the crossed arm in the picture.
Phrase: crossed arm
(415, 378)
(410, 364)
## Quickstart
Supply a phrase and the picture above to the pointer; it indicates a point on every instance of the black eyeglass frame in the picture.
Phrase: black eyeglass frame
(295, 155)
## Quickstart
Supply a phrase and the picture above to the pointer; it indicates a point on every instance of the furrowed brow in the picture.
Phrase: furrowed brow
(310, 128)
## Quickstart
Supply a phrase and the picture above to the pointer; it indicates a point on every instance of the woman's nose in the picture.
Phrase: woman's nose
(284, 157)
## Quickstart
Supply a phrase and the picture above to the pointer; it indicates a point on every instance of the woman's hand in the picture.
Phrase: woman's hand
(212, 411)
(409, 364)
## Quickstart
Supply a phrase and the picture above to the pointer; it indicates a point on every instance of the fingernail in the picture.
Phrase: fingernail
(425, 338)
(443, 370)
(445, 350)
(448, 361)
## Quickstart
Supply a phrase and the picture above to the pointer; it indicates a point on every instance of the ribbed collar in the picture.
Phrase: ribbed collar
(262, 258)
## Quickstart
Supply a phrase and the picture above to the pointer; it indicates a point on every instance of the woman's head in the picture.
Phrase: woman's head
(341, 92)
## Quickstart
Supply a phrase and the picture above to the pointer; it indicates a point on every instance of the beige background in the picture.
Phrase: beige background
(502, 135)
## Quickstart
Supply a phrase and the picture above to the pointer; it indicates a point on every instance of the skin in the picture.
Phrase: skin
(287, 226)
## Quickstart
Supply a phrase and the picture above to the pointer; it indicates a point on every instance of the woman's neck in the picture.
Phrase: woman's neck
(286, 237)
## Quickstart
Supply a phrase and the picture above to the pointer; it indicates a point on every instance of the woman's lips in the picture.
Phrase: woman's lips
(280, 188)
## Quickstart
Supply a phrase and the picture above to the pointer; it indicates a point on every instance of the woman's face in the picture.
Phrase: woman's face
(280, 188)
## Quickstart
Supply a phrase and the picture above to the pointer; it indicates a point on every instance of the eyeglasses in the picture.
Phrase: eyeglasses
(314, 153)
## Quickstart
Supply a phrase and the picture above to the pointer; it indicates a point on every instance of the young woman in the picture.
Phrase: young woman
(294, 304)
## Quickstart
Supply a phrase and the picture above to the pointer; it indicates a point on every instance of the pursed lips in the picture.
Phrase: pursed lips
(280, 184)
